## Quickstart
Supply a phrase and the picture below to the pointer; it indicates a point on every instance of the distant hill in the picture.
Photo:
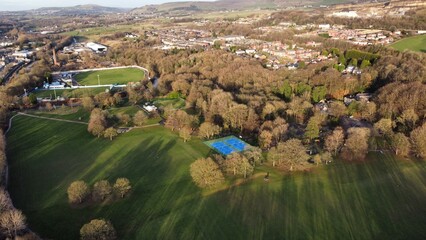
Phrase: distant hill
(235, 4)
(89, 9)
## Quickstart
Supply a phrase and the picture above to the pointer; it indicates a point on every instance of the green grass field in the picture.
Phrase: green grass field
(175, 103)
(70, 93)
(74, 114)
(79, 114)
(379, 199)
(119, 76)
(416, 43)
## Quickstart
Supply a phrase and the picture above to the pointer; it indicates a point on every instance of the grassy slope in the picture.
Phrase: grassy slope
(75, 93)
(416, 43)
(381, 199)
(79, 114)
(120, 76)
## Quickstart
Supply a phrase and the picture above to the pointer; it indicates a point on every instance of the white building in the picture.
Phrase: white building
(250, 51)
(54, 85)
(25, 54)
(97, 47)
(150, 108)
(6, 44)
(348, 14)
(230, 38)
(324, 26)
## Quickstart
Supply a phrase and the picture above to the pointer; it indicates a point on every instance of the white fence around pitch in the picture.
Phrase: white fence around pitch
(103, 69)
(77, 87)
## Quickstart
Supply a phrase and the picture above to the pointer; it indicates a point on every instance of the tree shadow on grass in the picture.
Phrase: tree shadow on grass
(374, 201)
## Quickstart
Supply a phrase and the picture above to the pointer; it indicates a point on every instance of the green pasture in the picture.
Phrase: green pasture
(382, 198)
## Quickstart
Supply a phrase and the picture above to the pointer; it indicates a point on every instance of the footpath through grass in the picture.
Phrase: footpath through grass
(380, 199)
(416, 43)
(112, 76)
(70, 93)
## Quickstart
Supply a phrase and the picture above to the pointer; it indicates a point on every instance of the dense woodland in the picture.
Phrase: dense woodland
(226, 94)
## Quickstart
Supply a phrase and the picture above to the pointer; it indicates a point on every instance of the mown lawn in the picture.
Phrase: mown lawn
(416, 43)
(175, 103)
(382, 198)
(112, 76)
(80, 114)
(70, 93)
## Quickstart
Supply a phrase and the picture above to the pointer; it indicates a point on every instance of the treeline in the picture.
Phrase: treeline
(227, 94)
(79, 191)
(12, 221)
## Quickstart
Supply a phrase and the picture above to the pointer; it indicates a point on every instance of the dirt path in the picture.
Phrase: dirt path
(147, 126)
(10, 124)
(64, 120)
(40, 117)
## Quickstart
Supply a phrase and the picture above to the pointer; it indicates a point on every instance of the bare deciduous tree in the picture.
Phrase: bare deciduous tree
(110, 133)
(401, 144)
(185, 133)
(206, 173)
(98, 229)
(208, 130)
(102, 189)
(237, 164)
(290, 154)
(78, 191)
(140, 118)
(356, 145)
(97, 122)
(12, 221)
(122, 186)
(418, 138)
(334, 141)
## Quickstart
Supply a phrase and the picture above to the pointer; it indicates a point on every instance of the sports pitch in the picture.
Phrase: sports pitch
(228, 145)
(111, 76)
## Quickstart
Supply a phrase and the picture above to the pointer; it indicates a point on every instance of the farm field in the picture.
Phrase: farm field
(382, 198)
(112, 76)
(416, 43)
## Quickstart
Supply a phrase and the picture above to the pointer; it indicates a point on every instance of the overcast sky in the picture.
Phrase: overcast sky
(13, 5)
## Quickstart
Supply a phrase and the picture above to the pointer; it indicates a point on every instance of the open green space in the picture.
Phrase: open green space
(70, 93)
(112, 76)
(131, 110)
(95, 33)
(80, 114)
(382, 198)
(416, 43)
(175, 103)
(66, 113)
